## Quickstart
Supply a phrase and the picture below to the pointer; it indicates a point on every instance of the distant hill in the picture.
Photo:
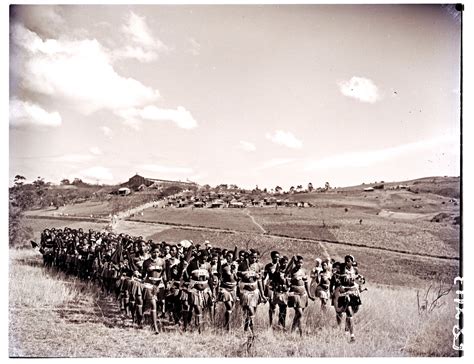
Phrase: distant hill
(443, 186)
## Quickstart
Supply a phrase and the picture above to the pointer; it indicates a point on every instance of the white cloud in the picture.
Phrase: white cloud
(195, 46)
(285, 138)
(95, 150)
(80, 74)
(45, 19)
(360, 88)
(247, 146)
(26, 113)
(96, 173)
(138, 30)
(74, 158)
(180, 116)
(76, 71)
(137, 53)
(166, 169)
(370, 157)
(107, 131)
(146, 44)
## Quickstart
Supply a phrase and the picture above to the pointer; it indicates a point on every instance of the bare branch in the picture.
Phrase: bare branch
(435, 302)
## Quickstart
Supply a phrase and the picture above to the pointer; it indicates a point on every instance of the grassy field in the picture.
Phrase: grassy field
(382, 219)
(98, 208)
(414, 235)
(55, 315)
(443, 186)
(230, 219)
(378, 266)
(73, 319)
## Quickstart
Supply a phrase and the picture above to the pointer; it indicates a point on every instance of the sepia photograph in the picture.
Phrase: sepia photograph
(238, 181)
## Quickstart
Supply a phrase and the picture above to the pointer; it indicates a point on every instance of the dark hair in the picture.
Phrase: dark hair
(274, 253)
(254, 251)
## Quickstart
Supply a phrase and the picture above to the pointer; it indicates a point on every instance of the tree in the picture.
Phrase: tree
(172, 190)
(39, 183)
(310, 187)
(278, 189)
(21, 196)
(40, 188)
(20, 199)
(327, 186)
(77, 181)
(292, 189)
(19, 180)
(65, 181)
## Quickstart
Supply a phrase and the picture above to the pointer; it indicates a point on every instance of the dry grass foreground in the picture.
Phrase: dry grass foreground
(51, 315)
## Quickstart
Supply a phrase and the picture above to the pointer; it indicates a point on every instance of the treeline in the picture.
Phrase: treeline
(41, 194)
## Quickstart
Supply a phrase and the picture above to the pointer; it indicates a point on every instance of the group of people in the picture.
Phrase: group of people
(182, 281)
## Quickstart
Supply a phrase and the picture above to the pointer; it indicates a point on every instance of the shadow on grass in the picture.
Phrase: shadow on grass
(92, 304)
(35, 262)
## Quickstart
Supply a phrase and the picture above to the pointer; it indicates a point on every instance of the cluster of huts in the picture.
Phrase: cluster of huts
(222, 196)
(211, 199)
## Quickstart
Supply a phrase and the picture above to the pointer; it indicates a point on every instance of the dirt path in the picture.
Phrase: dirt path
(256, 223)
(407, 215)
(326, 254)
(138, 228)
(118, 223)
(136, 210)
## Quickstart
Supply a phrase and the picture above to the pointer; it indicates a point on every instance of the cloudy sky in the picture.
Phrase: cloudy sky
(252, 95)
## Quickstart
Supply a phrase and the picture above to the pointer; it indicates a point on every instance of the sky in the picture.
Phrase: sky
(250, 95)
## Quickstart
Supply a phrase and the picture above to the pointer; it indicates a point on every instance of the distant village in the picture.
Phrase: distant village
(228, 196)
(231, 196)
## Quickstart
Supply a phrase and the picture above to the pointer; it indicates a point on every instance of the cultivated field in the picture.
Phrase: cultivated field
(385, 220)
(227, 219)
(413, 233)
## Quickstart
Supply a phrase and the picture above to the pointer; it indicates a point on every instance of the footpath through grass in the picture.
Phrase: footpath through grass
(52, 315)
